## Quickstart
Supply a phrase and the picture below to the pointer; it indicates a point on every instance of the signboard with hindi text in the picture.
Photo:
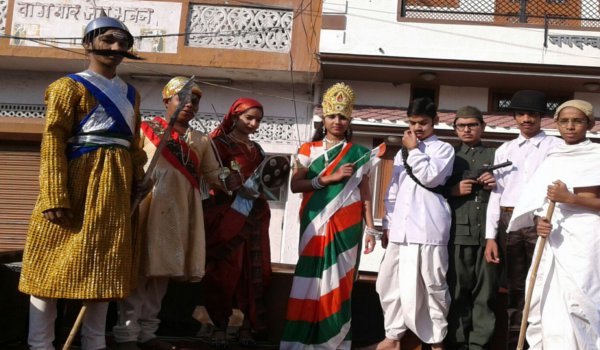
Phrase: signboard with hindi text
(61, 22)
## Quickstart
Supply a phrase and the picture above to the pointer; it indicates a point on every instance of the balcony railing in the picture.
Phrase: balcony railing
(563, 13)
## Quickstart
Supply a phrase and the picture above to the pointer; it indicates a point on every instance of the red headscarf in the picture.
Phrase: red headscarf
(238, 107)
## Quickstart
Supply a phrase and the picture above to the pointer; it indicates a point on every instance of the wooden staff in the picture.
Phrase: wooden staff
(75, 328)
(532, 276)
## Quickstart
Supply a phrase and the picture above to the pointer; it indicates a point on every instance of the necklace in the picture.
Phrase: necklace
(185, 158)
(331, 143)
(326, 150)
(248, 143)
(247, 148)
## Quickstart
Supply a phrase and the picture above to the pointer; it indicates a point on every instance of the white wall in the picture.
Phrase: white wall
(454, 97)
(372, 25)
(376, 93)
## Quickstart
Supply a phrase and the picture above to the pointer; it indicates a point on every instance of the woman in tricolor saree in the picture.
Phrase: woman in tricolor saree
(332, 173)
(238, 265)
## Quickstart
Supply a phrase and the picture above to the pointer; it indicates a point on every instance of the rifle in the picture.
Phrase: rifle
(476, 173)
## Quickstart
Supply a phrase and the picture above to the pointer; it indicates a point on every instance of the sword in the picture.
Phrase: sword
(185, 95)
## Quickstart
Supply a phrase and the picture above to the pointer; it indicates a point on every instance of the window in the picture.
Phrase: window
(500, 101)
(419, 92)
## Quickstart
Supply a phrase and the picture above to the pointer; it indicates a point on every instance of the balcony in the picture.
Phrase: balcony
(555, 13)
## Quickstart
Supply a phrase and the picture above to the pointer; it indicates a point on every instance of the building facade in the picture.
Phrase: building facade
(458, 52)
(266, 50)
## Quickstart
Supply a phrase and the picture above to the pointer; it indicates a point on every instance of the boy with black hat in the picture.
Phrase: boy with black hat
(526, 153)
(80, 243)
(473, 284)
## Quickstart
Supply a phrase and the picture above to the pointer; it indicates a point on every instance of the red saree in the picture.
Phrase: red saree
(238, 252)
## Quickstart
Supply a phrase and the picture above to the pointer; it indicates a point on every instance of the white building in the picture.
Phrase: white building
(458, 52)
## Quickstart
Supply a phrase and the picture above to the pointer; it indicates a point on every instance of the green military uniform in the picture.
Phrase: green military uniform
(472, 281)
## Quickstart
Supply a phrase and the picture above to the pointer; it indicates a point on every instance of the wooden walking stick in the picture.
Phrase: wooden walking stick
(75, 328)
(534, 270)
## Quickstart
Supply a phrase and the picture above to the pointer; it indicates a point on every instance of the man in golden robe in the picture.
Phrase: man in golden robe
(80, 243)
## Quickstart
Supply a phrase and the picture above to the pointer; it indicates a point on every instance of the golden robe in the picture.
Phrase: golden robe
(171, 217)
(93, 257)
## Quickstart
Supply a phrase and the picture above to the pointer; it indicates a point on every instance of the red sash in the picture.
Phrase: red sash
(175, 150)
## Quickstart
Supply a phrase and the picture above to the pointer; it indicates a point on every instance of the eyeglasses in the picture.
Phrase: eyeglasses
(461, 126)
(576, 122)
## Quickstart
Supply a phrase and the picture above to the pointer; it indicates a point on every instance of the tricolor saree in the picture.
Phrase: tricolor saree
(319, 312)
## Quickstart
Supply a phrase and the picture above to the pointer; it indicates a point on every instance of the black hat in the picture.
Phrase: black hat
(528, 100)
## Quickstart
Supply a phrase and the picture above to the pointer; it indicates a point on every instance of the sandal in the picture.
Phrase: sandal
(219, 339)
(245, 338)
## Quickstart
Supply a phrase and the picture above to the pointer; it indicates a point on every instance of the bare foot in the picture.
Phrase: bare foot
(437, 346)
(388, 344)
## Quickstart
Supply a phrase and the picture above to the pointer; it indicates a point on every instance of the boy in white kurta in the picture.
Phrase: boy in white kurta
(412, 277)
(565, 311)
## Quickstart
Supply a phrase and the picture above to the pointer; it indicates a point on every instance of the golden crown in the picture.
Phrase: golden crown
(338, 99)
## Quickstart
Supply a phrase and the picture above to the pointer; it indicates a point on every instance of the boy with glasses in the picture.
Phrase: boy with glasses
(473, 284)
(564, 311)
(526, 153)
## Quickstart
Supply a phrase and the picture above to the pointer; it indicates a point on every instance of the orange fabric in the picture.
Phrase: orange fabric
(343, 219)
(327, 305)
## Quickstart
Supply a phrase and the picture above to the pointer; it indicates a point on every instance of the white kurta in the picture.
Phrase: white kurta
(565, 311)
(171, 216)
(412, 277)
(415, 214)
(526, 156)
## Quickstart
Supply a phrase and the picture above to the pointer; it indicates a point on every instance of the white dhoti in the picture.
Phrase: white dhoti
(42, 314)
(563, 312)
(138, 313)
(413, 291)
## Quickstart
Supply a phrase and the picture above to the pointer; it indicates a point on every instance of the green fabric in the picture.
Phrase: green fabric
(319, 332)
(322, 197)
(313, 266)
(473, 285)
(468, 212)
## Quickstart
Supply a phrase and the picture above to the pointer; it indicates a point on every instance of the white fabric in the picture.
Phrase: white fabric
(526, 156)
(138, 313)
(415, 214)
(413, 291)
(116, 90)
(350, 193)
(567, 287)
(42, 314)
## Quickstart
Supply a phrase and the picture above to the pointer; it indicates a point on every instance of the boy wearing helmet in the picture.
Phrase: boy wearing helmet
(80, 243)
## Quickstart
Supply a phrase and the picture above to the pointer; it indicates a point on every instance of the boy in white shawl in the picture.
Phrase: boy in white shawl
(565, 311)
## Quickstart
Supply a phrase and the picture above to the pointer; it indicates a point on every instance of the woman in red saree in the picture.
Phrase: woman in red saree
(238, 256)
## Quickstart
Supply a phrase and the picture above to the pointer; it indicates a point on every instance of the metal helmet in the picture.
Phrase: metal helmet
(100, 24)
